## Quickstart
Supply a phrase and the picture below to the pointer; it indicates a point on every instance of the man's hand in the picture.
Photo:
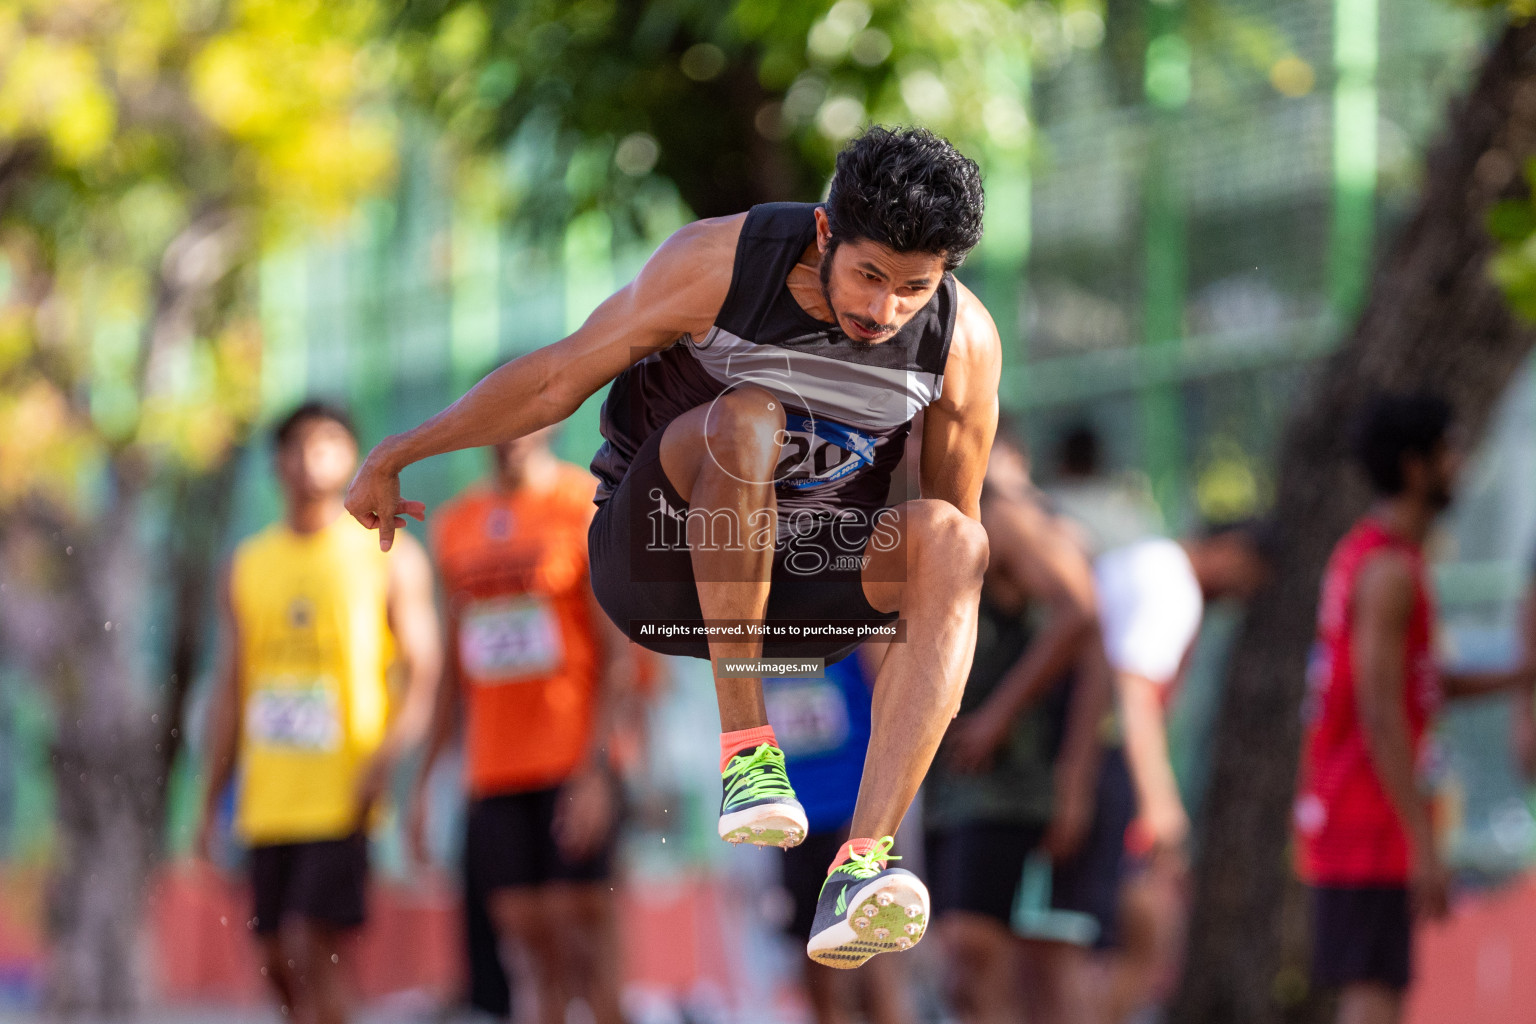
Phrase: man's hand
(202, 843)
(416, 816)
(1162, 830)
(1071, 818)
(374, 498)
(371, 785)
(585, 814)
(1429, 887)
(973, 741)
(1522, 735)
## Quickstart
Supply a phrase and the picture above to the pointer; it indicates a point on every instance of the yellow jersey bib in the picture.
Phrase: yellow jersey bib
(315, 646)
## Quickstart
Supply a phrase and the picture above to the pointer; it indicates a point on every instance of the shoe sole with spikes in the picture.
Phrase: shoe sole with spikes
(771, 824)
(887, 915)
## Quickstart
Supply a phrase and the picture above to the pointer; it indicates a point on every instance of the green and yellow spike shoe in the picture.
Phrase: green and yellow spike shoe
(759, 805)
(866, 909)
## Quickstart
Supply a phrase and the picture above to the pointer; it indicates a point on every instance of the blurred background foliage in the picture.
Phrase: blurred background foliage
(147, 150)
(150, 151)
(208, 207)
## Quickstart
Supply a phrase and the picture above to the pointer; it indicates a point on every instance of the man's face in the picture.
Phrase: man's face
(872, 290)
(1433, 477)
(1445, 468)
(318, 461)
(511, 457)
(1007, 468)
(1232, 567)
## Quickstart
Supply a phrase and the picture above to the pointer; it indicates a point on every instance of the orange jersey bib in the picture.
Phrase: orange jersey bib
(514, 569)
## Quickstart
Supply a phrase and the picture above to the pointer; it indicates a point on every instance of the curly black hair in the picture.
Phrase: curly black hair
(1393, 427)
(312, 409)
(909, 190)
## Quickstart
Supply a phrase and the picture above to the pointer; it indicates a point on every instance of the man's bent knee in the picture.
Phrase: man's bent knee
(743, 432)
(945, 538)
(740, 433)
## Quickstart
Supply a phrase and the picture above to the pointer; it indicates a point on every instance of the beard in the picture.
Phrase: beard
(824, 272)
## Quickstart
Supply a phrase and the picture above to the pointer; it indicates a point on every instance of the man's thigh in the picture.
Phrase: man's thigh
(643, 571)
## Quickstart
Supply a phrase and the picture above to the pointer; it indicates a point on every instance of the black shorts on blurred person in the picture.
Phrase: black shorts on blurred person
(1089, 883)
(981, 827)
(1361, 934)
(323, 881)
(509, 843)
(805, 870)
(978, 867)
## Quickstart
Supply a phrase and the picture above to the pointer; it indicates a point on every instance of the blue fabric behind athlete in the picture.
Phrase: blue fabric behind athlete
(822, 726)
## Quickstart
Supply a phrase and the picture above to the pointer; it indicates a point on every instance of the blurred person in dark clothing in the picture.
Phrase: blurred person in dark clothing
(823, 727)
(1007, 781)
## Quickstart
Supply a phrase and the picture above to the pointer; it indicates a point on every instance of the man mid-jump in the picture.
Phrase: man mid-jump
(765, 371)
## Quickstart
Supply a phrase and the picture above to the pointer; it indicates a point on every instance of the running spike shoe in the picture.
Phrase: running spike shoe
(758, 805)
(866, 909)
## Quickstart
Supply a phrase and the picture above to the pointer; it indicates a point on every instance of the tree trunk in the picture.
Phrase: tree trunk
(201, 517)
(73, 614)
(1434, 319)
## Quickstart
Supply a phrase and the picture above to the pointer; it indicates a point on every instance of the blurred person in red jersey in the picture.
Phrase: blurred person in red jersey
(1368, 848)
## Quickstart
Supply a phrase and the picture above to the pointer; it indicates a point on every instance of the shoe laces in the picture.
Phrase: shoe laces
(867, 865)
(757, 775)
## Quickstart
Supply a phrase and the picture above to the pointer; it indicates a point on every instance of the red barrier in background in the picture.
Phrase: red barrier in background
(21, 942)
(1476, 967)
(1473, 969)
(206, 952)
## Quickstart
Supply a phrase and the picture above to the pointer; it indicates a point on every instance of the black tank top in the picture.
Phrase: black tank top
(849, 407)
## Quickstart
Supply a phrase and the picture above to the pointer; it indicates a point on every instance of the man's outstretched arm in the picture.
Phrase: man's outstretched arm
(677, 292)
(958, 426)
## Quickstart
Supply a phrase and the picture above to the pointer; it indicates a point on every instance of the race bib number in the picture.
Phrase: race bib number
(500, 641)
(821, 451)
(286, 714)
(808, 717)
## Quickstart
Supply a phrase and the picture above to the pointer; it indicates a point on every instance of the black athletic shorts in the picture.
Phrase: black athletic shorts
(509, 843)
(642, 569)
(977, 867)
(322, 881)
(1090, 882)
(1361, 934)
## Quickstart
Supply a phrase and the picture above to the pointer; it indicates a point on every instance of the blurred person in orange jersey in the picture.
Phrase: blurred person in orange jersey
(1367, 838)
(538, 670)
(313, 616)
